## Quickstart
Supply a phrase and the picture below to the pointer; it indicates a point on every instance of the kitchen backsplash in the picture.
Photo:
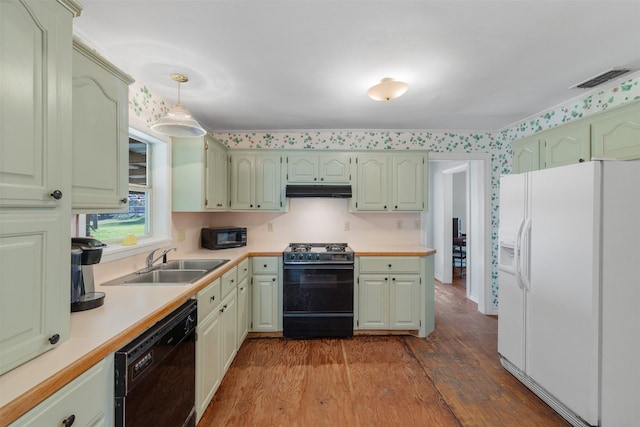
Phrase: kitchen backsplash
(146, 107)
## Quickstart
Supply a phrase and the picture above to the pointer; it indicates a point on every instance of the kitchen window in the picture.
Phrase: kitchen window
(148, 215)
(115, 227)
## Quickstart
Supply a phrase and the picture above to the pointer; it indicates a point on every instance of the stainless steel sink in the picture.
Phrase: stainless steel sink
(174, 273)
(195, 264)
(168, 276)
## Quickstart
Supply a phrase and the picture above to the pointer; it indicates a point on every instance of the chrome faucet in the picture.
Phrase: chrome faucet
(151, 261)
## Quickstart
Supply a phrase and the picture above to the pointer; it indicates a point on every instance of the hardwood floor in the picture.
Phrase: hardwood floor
(451, 378)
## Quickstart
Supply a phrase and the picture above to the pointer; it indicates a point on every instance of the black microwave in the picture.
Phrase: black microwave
(223, 237)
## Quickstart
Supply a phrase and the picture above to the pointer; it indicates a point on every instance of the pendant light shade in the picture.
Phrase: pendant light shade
(387, 90)
(178, 120)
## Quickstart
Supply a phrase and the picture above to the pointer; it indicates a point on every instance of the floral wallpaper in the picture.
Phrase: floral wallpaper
(144, 104)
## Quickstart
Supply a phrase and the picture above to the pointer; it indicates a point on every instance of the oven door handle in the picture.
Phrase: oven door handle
(310, 266)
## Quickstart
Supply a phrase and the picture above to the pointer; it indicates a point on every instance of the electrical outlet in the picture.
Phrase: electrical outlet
(346, 226)
(269, 227)
(416, 224)
(399, 224)
(181, 236)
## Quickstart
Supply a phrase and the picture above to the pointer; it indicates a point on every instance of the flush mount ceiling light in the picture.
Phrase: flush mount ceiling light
(178, 120)
(387, 90)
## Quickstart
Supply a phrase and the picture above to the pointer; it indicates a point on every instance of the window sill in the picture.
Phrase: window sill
(117, 251)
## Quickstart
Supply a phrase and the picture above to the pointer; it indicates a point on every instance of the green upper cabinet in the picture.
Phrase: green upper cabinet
(372, 182)
(526, 155)
(255, 181)
(390, 182)
(216, 184)
(408, 182)
(100, 174)
(35, 177)
(567, 145)
(199, 175)
(616, 133)
(334, 168)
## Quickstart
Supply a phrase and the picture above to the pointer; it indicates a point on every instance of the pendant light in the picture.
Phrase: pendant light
(387, 90)
(178, 120)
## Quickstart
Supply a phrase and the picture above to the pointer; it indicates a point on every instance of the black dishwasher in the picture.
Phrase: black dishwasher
(155, 374)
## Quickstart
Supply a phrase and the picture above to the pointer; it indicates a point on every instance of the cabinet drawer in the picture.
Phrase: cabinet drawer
(243, 269)
(208, 299)
(229, 281)
(265, 265)
(390, 264)
(83, 398)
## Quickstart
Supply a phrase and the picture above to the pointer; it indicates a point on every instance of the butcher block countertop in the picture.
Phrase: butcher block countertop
(127, 312)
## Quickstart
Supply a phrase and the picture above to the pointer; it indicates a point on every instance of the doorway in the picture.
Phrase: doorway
(446, 170)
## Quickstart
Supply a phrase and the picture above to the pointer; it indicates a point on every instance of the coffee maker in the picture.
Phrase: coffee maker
(85, 253)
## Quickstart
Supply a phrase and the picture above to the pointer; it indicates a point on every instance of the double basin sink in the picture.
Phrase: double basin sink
(176, 272)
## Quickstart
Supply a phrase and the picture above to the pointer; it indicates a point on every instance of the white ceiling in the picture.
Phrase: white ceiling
(306, 64)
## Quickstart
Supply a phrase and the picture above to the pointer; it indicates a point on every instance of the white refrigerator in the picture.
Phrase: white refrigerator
(569, 288)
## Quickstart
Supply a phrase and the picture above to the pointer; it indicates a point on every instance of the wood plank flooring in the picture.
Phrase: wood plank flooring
(452, 378)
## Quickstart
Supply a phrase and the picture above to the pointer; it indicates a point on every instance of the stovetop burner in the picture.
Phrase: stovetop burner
(318, 253)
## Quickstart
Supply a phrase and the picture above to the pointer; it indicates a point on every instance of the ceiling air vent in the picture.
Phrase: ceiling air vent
(602, 78)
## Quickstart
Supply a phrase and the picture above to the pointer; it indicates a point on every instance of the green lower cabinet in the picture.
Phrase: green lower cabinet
(85, 401)
(389, 292)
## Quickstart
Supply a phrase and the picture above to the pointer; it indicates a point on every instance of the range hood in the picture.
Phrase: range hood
(311, 190)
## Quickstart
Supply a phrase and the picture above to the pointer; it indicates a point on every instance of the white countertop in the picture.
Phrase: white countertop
(127, 311)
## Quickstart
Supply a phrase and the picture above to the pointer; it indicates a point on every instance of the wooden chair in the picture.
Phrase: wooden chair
(460, 253)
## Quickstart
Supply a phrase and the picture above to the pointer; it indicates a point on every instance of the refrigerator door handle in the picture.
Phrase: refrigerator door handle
(524, 239)
(517, 253)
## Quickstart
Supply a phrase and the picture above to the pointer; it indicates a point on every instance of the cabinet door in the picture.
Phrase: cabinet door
(265, 303)
(100, 172)
(267, 184)
(526, 155)
(216, 179)
(373, 183)
(243, 310)
(334, 167)
(208, 361)
(242, 181)
(617, 134)
(302, 168)
(408, 182)
(34, 284)
(567, 145)
(88, 398)
(35, 65)
(229, 315)
(187, 174)
(404, 301)
(373, 301)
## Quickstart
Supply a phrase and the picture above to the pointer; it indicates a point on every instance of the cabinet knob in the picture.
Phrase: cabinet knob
(265, 265)
(57, 194)
(385, 206)
(257, 206)
(213, 297)
(68, 422)
(273, 279)
(396, 207)
(54, 339)
(580, 160)
(321, 179)
(315, 179)
(124, 200)
(393, 278)
(389, 265)
(242, 288)
(386, 278)
(250, 206)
